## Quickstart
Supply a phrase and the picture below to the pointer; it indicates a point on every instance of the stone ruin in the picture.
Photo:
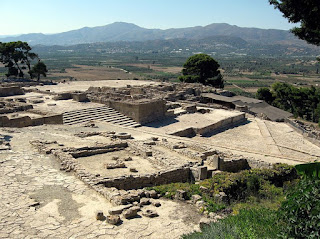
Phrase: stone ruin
(18, 113)
(127, 167)
(128, 193)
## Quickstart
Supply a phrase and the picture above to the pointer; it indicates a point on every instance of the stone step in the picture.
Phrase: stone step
(91, 112)
(102, 113)
(95, 116)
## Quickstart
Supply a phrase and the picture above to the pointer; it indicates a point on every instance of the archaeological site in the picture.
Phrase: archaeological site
(78, 159)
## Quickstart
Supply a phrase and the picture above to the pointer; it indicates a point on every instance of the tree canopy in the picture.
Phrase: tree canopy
(39, 69)
(305, 12)
(303, 102)
(17, 57)
(202, 68)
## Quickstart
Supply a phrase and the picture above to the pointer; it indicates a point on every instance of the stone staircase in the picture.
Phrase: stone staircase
(102, 113)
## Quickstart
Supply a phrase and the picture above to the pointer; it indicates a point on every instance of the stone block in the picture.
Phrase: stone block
(214, 161)
(113, 219)
(181, 195)
(150, 213)
(203, 172)
(148, 153)
(100, 216)
(119, 209)
(131, 212)
(195, 198)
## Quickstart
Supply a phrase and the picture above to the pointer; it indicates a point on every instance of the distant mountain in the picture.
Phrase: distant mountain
(120, 31)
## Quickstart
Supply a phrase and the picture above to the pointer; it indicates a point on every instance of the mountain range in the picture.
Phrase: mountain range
(128, 32)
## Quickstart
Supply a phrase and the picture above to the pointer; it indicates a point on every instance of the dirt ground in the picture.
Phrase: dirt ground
(85, 73)
(96, 164)
(84, 85)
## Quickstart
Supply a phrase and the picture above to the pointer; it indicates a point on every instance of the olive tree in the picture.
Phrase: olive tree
(202, 68)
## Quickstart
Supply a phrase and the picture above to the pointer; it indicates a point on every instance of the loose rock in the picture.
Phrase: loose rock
(150, 213)
(113, 219)
(100, 216)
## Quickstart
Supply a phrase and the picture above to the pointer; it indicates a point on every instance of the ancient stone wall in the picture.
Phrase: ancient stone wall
(140, 181)
(233, 120)
(10, 90)
(234, 165)
(26, 121)
(188, 132)
(141, 112)
(228, 122)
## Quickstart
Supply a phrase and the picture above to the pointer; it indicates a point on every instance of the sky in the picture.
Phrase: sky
(55, 16)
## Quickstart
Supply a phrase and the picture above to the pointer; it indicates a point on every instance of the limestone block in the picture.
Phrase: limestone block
(199, 173)
(113, 219)
(133, 170)
(131, 212)
(119, 209)
(202, 172)
(128, 159)
(118, 164)
(150, 213)
(190, 108)
(100, 216)
(156, 204)
(195, 198)
(200, 204)
(145, 201)
(151, 194)
(214, 161)
(204, 222)
(181, 195)
(148, 153)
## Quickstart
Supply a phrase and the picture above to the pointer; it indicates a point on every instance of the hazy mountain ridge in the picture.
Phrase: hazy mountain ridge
(121, 31)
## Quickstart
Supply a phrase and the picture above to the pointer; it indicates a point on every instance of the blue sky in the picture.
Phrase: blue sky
(53, 16)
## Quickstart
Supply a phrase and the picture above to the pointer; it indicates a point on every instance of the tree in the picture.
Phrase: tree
(38, 69)
(305, 12)
(16, 56)
(265, 94)
(202, 68)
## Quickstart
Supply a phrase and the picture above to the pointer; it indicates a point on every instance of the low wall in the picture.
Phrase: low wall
(10, 90)
(53, 119)
(234, 165)
(135, 182)
(26, 121)
(234, 120)
(188, 132)
(228, 122)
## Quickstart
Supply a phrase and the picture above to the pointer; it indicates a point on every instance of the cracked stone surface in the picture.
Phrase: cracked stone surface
(37, 200)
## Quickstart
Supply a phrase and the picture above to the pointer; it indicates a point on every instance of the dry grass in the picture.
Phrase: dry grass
(173, 70)
(84, 73)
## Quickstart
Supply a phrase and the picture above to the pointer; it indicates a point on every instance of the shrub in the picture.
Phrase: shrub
(301, 210)
(249, 223)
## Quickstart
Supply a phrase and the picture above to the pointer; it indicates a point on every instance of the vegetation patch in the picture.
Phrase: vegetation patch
(248, 186)
(248, 223)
